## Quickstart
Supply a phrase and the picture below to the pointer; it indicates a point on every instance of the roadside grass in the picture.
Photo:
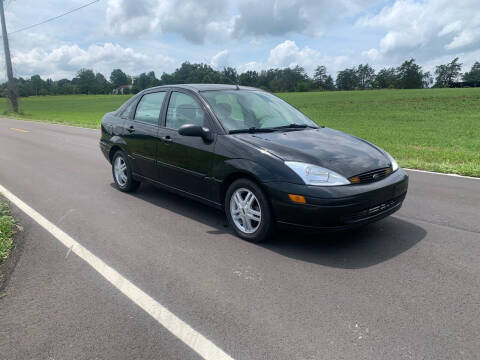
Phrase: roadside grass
(76, 110)
(429, 129)
(7, 228)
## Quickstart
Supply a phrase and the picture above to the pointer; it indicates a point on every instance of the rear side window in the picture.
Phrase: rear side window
(184, 109)
(125, 113)
(149, 107)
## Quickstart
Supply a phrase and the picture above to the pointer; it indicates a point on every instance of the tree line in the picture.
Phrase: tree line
(409, 75)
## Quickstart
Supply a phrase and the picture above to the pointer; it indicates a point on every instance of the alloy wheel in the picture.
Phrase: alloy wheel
(245, 210)
(120, 171)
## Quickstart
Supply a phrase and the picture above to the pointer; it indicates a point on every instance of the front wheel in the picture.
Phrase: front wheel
(248, 211)
(122, 173)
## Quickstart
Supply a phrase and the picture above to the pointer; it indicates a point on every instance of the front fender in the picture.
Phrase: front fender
(249, 167)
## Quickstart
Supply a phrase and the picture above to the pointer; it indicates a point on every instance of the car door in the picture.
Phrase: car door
(185, 162)
(142, 135)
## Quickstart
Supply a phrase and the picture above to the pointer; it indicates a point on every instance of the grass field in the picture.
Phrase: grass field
(7, 225)
(431, 129)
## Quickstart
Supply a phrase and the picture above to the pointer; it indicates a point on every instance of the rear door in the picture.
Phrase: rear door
(185, 162)
(142, 134)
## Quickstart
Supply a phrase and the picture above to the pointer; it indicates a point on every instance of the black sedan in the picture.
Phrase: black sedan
(250, 153)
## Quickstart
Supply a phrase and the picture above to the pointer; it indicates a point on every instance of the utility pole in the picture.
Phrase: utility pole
(11, 88)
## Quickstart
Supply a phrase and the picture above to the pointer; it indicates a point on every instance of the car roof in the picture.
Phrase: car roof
(206, 87)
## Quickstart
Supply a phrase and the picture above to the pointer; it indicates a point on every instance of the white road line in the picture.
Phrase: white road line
(192, 338)
(444, 174)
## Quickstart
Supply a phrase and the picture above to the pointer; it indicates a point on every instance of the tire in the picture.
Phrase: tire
(123, 179)
(250, 218)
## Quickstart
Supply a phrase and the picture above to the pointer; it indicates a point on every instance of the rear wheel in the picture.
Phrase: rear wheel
(248, 211)
(122, 173)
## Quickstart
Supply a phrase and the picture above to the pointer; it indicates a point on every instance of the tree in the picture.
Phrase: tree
(366, 76)
(249, 78)
(37, 84)
(329, 84)
(85, 80)
(386, 78)
(448, 73)
(347, 79)
(118, 78)
(229, 75)
(102, 86)
(320, 77)
(24, 87)
(64, 87)
(473, 76)
(410, 75)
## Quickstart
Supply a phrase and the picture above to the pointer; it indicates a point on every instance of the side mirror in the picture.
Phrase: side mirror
(196, 130)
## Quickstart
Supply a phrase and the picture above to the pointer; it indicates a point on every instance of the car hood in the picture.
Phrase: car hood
(331, 149)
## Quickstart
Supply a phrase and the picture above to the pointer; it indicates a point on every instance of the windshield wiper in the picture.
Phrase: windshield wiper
(252, 130)
(295, 126)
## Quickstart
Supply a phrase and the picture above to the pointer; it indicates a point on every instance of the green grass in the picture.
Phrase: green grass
(431, 129)
(7, 226)
(77, 110)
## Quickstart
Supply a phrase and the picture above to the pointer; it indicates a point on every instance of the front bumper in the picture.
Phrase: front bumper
(337, 207)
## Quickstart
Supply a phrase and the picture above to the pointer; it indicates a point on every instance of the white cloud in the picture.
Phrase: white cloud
(372, 54)
(288, 54)
(281, 17)
(450, 28)
(213, 20)
(220, 60)
(425, 29)
(66, 60)
(191, 19)
(466, 37)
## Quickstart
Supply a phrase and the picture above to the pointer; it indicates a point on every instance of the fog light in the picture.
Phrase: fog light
(299, 199)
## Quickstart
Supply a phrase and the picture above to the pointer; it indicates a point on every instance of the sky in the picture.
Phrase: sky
(158, 35)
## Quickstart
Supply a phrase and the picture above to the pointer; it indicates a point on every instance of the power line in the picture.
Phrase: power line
(53, 18)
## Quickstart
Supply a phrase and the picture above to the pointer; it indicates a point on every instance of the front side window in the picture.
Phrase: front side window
(184, 109)
(244, 109)
(148, 109)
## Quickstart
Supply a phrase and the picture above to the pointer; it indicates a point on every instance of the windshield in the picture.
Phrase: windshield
(246, 109)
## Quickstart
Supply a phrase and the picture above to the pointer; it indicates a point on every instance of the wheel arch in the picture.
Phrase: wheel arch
(235, 169)
(112, 152)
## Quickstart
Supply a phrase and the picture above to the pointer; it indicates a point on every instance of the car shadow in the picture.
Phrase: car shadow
(352, 249)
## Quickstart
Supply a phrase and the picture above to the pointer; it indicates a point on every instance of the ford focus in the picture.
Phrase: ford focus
(249, 153)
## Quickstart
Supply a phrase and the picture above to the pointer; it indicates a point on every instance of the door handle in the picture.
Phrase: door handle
(167, 139)
(131, 129)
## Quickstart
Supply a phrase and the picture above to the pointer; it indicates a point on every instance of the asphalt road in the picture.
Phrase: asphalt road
(407, 287)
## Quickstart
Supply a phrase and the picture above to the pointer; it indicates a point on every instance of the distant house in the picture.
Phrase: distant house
(122, 89)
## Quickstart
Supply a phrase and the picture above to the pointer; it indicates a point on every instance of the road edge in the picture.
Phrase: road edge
(51, 122)
(7, 267)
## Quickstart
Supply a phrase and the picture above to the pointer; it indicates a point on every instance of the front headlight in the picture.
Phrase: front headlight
(316, 175)
(392, 161)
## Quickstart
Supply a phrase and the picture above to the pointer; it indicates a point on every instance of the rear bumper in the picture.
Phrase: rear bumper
(105, 148)
(337, 207)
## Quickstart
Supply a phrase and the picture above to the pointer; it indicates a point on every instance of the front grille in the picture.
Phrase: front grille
(374, 210)
(371, 176)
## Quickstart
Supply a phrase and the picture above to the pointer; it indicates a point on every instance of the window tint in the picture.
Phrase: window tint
(125, 113)
(183, 109)
(148, 109)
